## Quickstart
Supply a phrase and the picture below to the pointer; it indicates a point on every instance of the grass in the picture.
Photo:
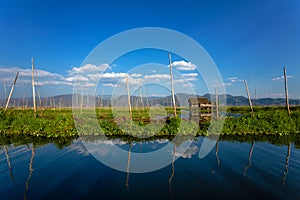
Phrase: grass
(60, 124)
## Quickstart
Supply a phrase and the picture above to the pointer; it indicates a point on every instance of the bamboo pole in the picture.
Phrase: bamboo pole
(172, 85)
(11, 91)
(249, 98)
(148, 106)
(5, 92)
(217, 104)
(24, 102)
(286, 92)
(33, 89)
(4, 86)
(81, 103)
(128, 98)
(101, 97)
(38, 90)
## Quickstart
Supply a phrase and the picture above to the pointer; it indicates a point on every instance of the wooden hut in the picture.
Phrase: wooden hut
(200, 106)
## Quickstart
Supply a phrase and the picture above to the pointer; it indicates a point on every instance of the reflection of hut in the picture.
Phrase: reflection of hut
(200, 106)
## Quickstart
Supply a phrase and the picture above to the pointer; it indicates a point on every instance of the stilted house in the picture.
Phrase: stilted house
(200, 106)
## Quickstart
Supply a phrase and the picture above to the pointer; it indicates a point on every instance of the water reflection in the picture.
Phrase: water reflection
(9, 164)
(30, 172)
(128, 166)
(286, 165)
(74, 164)
(249, 159)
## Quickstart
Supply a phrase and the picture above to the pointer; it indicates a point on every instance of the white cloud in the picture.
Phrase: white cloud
(7, 74)
(184, 66)
(88, 68)
(188, 85)
(113, 75)
(110, 85)
(157, 76)
(191, 79)
(221, 84)
(278, 78)
(135, 75)
(190, 75)
(234, 79)
(77, 78)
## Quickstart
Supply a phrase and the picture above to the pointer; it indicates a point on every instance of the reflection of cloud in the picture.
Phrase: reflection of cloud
(279, 78)
(192, 150)
(184, 66)
(79, 148)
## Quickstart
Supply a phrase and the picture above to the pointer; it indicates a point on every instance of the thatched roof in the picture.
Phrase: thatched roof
(199, 100)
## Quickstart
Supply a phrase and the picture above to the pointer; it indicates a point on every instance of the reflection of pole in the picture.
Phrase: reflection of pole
(249, 98)
(30, 172)
(217, 153)
(173, 172)
(9, 164)
(286, 165)
(172, 85)
(128, 166)
(249, 159)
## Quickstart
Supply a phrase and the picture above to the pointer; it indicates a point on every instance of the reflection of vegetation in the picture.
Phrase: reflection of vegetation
(18, 140)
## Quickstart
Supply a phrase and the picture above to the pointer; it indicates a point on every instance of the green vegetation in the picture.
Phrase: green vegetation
(60, 123)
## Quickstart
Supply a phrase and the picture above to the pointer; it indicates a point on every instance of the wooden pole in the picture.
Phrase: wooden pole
(217, 104)
(249, 98)
(11, 91)
(128, 98)
(81, 103)
(4, 86)
(286, 92)
(38, 90)
(172, 85)
(148, 106)
(33, 89)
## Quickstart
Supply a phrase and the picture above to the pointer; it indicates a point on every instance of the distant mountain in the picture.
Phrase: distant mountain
(67, 100)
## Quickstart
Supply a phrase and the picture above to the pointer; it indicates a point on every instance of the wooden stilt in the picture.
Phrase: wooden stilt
(249, 98)
(286, 92)
(33, 88)
(11, 91)
(128, 98)
(172, 85)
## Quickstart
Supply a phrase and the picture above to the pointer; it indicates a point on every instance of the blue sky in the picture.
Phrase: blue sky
(249, 40)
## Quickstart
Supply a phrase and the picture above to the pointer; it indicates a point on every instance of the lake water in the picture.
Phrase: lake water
(232, 170)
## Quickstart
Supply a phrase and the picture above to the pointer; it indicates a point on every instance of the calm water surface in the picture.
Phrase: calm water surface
(232, 170)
